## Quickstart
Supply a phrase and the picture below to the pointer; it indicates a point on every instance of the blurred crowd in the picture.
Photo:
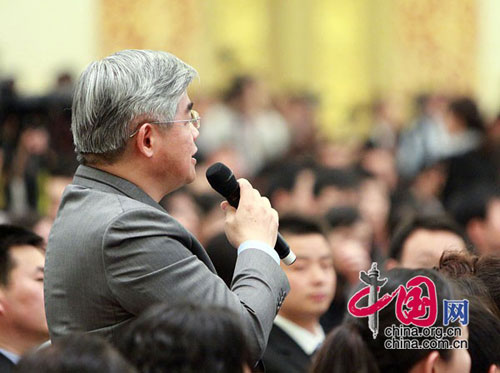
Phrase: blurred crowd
(444, 155)
(402, 196)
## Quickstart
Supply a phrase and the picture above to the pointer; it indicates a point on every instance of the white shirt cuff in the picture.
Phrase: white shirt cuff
(259, 245)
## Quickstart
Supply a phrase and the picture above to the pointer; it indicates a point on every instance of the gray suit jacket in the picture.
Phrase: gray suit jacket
(113, 251)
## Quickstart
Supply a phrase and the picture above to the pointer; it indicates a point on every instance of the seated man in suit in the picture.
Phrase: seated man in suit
(113, 249)
(22, 315)
(297, 333)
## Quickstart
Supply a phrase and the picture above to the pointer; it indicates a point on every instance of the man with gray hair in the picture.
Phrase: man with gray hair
(113, 250)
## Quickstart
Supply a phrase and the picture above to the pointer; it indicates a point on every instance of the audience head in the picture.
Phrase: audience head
(22, 315)
(488, 269)
(484, 334)
(350, 237)
(355, 349)
(463, 114)
(460, 268)
(336, 187)
(290, 187)
(347, 223)
(420, 240)
(312, 277)
(484, 321)
(80, 353)
(247, 94)
(117, 93)
(478, 210)
(187, 338)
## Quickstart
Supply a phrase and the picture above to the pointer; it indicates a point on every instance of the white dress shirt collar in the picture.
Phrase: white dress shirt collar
(10, 355)
(306, 340)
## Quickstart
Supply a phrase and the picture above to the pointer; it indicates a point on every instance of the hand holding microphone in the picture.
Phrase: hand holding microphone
(254, 218)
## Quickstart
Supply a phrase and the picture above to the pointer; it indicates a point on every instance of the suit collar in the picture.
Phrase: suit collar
(102, 180)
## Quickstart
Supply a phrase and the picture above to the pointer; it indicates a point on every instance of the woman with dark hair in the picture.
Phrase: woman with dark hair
(463, 270)
(352, 347)
(187, 338)
(487, 269)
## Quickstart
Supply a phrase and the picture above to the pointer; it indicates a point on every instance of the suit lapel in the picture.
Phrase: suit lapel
(5, 363)
(287, 346)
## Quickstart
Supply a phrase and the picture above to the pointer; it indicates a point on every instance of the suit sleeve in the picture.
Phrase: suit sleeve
(147, 260)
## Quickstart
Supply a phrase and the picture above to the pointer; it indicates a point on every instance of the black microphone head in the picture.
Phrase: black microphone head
(221, 178)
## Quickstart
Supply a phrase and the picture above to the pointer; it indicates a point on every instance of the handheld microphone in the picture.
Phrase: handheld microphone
(221, 178)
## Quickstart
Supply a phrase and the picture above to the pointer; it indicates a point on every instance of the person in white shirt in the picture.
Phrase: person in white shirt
(297, 333)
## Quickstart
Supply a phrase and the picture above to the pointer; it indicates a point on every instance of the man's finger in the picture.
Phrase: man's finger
(246, 189)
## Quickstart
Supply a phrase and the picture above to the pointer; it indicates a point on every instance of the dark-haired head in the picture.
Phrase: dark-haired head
(312, 277)
(22, 316)
(466, 113)
(420, 240)
(186, 338)
(460, 269)
(484, 316)
(477, 207)
(484, 334)
(238, 86)
(14, 236)
(375, 352)
(75, 353)
(345, 352)
(299, 224)
(488, 269)
(337, 186)
(347, 222)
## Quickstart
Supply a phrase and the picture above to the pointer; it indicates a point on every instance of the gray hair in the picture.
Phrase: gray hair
(118, 89)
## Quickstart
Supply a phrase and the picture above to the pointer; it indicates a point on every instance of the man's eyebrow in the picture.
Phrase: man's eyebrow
(39, 269)
(189, 107)
(326, 257)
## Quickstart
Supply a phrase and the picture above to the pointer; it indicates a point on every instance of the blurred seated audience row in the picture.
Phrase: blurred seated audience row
(401, 199)
(313, 331)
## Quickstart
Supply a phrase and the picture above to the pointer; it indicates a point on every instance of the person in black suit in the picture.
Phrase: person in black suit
(22, 315)
(297, 333)
(6, 365)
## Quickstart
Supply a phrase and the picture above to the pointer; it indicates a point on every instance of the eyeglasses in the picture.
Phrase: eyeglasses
(195, 121)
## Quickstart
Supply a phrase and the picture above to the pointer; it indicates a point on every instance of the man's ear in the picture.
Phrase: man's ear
(145, 139)
(433, 363)
(427, 364)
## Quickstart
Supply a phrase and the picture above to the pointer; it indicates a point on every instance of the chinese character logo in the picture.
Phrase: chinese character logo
(412, 307)
(456, 310)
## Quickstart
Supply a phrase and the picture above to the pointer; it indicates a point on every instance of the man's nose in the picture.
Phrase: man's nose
(318, 274)
(196, 132)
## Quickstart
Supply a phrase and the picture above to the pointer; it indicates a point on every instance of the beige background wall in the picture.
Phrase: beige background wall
(487, 83)
(40, 38)
(349, 52)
